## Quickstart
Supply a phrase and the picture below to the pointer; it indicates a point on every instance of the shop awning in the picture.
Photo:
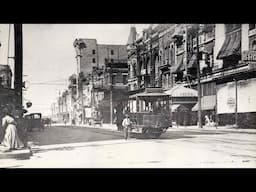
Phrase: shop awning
(231, 45)
(181, 91)
(174, 107)
(208, 48)
(192, 62)
(178, 65)
(207, 103)
(148, 95)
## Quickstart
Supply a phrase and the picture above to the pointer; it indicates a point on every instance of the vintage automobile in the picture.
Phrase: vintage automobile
(34, 121)
(150, 113)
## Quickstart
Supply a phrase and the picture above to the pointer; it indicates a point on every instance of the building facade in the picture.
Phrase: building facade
(166, 56)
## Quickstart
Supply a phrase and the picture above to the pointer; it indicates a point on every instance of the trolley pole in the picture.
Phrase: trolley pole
(198, 79)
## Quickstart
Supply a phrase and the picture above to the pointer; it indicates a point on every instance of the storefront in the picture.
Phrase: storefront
(236, 94)
(208, 107)
(182, 99)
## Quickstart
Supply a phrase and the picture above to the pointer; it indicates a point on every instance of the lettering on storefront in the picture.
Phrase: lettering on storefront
(252, 65)
(231, 102)
(249, 56)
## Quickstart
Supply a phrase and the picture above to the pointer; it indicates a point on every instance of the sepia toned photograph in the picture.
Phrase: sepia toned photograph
(128, 95)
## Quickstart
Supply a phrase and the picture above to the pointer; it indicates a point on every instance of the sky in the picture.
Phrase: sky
(49, 55)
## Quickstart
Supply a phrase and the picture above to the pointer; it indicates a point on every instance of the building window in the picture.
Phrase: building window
(93, 60)
(252, 26)
(113, 79)
(93, 52)
(112, 52)
(254, 45)
(124, 79)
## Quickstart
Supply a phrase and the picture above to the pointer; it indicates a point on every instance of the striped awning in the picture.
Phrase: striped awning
(207, 103)
(231, 45)
(148, 95)
(192, 62)
(174, 107)
(208, 48)
(179, 66)
(181, 91)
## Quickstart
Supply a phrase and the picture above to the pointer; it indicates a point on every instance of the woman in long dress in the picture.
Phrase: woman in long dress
(11, 139)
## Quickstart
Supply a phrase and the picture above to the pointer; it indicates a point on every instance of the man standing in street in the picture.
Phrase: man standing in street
(127, 126)
(119, 117)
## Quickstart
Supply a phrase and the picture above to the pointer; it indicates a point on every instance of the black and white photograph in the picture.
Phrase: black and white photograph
(128, 95)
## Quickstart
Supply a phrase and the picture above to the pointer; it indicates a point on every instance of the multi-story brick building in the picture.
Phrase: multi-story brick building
(158, 59)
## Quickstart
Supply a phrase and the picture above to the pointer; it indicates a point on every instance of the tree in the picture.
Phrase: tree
(72, 85)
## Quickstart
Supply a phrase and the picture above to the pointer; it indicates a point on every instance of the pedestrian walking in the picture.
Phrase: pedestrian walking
(11, 139)
(127, 126)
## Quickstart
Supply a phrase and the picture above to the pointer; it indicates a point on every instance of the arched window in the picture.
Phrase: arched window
(82, 45)
(254, 45)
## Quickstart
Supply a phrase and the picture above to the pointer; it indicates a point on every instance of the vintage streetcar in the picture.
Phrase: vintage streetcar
(149, 113)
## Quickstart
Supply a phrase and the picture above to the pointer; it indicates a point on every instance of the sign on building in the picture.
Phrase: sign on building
(249, 56)
(231, 102)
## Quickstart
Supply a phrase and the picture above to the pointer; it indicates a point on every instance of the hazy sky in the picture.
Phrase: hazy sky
(49, 55)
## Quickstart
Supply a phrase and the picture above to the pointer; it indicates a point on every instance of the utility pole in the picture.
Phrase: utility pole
(198, 78)
(151, 63)
(236, 115)
(18, 68)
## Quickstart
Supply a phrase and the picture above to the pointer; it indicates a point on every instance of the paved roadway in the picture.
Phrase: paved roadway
(60, 147)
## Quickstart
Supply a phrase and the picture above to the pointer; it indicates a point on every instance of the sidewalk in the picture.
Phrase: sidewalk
(230, 129)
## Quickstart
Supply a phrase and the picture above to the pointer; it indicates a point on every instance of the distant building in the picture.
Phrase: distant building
(110, 88)
(91, 54)
(94, 65)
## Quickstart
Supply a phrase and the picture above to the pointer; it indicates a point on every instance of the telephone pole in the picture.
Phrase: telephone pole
(18, 67)
(236, 114)
(198, 78)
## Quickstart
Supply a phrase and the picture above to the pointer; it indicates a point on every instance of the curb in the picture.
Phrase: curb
(16, 154)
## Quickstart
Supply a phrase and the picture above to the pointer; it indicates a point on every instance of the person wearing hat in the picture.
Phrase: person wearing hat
(126, 125)
(11, 139)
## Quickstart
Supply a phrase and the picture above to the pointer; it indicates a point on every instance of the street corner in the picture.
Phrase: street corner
(16, 154)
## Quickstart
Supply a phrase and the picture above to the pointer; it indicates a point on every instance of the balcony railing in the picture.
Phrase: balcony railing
(107, 61)
(100, 84)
